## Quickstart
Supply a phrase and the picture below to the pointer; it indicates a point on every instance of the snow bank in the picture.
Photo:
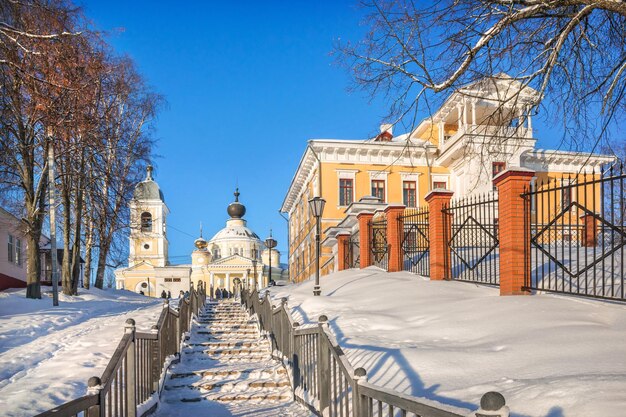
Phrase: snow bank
(48, 353)
(550, 356)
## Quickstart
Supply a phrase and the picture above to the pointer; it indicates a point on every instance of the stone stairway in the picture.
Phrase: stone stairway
(226, 369)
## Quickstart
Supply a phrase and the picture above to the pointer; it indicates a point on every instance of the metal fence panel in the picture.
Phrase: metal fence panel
(415, 241)
(472, 238)
(577, 235)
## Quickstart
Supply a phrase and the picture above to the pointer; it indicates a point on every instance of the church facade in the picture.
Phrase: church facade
(233, 258)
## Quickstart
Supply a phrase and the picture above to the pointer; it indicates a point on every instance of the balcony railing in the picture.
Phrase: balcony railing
(486, 130)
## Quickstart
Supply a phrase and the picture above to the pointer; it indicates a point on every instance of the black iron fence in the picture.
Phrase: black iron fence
(352, 254)
(471, 226)
(378, 243)
(577, 234)
(414, 241)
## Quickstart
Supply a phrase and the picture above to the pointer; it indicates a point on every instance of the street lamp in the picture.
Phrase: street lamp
(254, 261)
(316, 206)
(270, 243)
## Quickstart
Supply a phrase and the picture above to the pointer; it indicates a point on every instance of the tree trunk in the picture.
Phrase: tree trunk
(78, 214)
(33, 264)
(66, 271)
(88, 249)
(102, 262)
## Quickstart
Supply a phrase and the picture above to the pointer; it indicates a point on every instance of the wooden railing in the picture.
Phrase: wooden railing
(133, 375)
(323, 379)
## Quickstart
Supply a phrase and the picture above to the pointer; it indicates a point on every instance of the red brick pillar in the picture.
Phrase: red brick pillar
(514, 239)
(395, 233)
(438, 231)
(364, 239)
(342, 243)
(590, 230)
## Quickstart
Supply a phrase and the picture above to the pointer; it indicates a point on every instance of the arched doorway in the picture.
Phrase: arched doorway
(146, 288)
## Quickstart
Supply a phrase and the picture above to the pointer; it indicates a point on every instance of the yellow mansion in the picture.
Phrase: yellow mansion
(235, 257)
(478, 132)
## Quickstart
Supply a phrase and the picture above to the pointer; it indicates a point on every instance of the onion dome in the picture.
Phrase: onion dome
(148, 189)
(200, 243)
(236, 210)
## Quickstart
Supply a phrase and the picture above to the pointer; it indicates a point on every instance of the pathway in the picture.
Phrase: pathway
(226, 369)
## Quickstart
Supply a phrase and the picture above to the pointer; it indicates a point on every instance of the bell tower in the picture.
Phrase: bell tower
(148, 224)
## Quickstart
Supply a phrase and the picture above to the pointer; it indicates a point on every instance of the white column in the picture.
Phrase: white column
(459, 110)
(465, 121)
(441, 132)
(474, 112)
(529, 121)
(211, 280)
(227, 281)
(259, 280)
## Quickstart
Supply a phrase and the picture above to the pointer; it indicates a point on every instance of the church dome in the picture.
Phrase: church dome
(236, 237)
(200, 243)
(235, 232)
(236, 210)
(148, 189)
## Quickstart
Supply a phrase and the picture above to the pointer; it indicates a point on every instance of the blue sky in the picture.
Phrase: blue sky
(247, 84)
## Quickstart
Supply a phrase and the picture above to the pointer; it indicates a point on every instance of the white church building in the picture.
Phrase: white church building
(233, 258)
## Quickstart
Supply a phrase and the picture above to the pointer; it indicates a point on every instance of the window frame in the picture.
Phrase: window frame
(343, 192)
(384, 189)
(405, 190)
(146, 227)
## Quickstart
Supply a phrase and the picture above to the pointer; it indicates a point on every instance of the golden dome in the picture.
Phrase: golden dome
(200, 243)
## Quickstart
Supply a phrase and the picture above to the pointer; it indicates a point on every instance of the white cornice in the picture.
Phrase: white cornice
(399, 153)
(563, 161)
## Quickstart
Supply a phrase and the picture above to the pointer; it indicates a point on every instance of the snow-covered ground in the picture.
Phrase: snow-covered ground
(549, 355)
(48, 353)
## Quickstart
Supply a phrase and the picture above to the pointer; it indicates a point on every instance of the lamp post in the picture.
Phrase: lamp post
(316, 205)
(271, 243)
(54, 267)
(254, 261)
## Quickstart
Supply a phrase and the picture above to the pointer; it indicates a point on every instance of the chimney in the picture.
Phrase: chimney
(386, 133)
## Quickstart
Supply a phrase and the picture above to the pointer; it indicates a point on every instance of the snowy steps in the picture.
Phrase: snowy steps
(225, 360)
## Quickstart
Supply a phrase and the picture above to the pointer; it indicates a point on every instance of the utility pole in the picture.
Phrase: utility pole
(54, 268)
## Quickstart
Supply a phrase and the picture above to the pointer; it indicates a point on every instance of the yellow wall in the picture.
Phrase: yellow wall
(548, 205)
(302, 225)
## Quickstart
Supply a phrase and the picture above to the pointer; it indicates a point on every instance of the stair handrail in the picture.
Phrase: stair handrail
(323, 379)
(139, 361)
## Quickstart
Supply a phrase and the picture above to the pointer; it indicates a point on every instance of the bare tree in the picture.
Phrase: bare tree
(572, 52)
(130, 108)
(62, 88)
(30, 34)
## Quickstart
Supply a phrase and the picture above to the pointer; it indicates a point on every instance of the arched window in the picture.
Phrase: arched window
(146, 222)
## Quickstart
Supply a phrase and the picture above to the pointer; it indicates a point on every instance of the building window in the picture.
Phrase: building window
(497, 167)
(439, 185)
(346, 191)
(378, 189)
(146, 222)
(409, 193)
(566, 194)
(15, 250)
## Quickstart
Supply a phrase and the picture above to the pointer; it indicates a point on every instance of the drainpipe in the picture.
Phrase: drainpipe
(429, 169)
(288, 238)
(319, 169)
